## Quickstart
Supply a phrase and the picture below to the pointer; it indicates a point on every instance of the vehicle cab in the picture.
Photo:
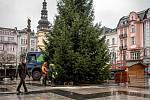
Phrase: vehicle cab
(34, 63)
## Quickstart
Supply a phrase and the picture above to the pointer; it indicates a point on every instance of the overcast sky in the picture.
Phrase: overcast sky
(14, 13)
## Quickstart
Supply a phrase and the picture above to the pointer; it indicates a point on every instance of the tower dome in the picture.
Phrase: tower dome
(43, 23)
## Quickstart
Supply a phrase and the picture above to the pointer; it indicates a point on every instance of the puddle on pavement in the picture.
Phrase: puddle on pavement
(78, 96)
(94, 96)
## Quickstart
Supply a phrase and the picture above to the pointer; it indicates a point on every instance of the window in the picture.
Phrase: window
(125, 22)
(7, 32)
(132, 40)
(125, 42)
(32, 42)
(10, 39)
(113, 57)
(132, 29)
(107, 41)
(148, 14)
(147, 34)
(23, 49)
(13, 48)
(121, 42)
(113, 41)
(31, 58)
(147, 52)
(135, 55)
(26, 41)
(1, 47)
(132, 17)
(23, 41)
(1, 38)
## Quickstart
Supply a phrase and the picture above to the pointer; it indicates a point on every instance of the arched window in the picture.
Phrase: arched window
(113, 41)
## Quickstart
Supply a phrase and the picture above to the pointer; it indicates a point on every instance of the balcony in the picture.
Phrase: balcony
(135, 60)
(123, 36)
(135, 56)
(123, 47)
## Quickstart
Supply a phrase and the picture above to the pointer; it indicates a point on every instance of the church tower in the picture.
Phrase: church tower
(43, 26)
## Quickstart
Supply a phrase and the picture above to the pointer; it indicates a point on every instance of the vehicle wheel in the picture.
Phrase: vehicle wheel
(36, 75)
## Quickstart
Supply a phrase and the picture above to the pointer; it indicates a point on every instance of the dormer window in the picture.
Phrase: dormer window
(125, 22)
(132, 40)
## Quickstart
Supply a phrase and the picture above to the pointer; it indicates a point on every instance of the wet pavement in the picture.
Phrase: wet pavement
(109, 91)
(67, 95)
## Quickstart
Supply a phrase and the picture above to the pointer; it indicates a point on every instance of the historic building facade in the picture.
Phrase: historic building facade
(43, 26)
(22, 42)
(134, 38)
(27, 41)
(8, 45)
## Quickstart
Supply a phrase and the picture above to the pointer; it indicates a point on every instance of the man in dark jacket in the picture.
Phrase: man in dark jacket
(22, 71)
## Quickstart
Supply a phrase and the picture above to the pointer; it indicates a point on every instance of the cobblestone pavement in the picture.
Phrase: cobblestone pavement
(91, 92)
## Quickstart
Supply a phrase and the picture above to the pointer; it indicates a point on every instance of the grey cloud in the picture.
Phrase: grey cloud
(14, 13)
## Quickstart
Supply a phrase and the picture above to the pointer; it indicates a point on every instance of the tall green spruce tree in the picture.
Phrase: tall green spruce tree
(75, 45)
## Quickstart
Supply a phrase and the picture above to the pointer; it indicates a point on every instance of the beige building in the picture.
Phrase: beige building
(40, 38)
(43, 27)
(112, 42)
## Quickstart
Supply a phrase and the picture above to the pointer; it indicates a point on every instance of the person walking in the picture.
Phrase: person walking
(53, 74)
(22, 71)
(44, 72)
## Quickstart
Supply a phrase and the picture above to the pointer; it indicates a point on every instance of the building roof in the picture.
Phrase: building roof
(141, 14)
(24, 31)
(7, 28)
(124, 20)
(107, 30)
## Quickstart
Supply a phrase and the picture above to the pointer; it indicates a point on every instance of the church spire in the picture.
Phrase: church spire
(43, 22)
